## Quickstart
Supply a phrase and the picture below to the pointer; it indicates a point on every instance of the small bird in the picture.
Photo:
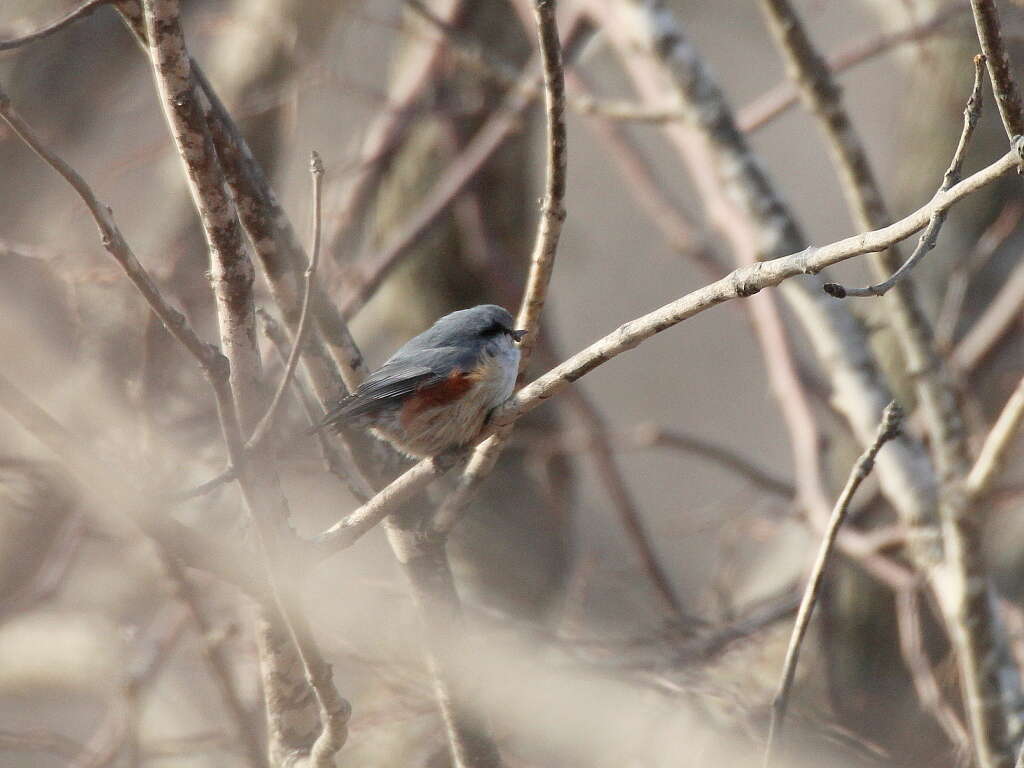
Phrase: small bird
(436, 391)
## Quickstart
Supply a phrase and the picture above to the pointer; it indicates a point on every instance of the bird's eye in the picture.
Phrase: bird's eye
(493, 330)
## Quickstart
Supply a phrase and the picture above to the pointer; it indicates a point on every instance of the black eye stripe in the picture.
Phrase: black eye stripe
(494, 330)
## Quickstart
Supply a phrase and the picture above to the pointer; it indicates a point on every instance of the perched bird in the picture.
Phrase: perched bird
(436, 391)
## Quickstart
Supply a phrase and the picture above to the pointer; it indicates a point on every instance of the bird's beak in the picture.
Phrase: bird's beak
(517, 336)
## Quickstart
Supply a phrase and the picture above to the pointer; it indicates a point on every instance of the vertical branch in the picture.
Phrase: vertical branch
(821, 95)
(552, 211)
(424, 558)
(425, 563)
(542, 259)
(958, 577)
(986, 20)
(316, 167)
(287, 646)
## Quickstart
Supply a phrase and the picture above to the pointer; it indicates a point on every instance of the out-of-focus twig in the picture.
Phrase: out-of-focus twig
(79, 12)
(782, 97)
(243, 722)
(384, 133)
(908, 620)
(991, 239)
(887, 430)
(650, 435)
(1001, 315)
(373, 266)
(210, 360)
(997, 444)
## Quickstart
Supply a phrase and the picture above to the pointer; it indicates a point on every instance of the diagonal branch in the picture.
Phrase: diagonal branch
(887, 430)
(953, 174)
(997, 444)
(740, 283)
(69, 18)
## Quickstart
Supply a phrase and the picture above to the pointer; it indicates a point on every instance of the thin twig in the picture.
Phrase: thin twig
(1004, 87)
(375, 264)
(80, 12)
(316, 169)
(353, 526)
(887, 430)
(999, 317)
(997, 444)
(908, 620)
(542, 260)
(953, 174)
(209, 359)
(994, 236)
(782, 97)
(328, 450)
(205, 487)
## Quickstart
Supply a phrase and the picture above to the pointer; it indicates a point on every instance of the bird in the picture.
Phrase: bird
(435, 393)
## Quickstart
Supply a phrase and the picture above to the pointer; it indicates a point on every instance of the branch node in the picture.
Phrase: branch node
(835, 290)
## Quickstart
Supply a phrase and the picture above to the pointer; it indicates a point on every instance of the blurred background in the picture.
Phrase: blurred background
(602, 645)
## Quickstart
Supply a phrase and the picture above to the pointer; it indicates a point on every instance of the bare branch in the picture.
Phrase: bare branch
(782, 97)
(740, 283)
(316, 168)
(986, 20)
(887, 430)
(542, 260)
(69, 18)
(999, 317)
(953, 174)
(232, 278)
(348, 530)
(997, 444)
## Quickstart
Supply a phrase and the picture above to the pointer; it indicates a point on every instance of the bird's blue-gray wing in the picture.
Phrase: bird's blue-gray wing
(397, 379)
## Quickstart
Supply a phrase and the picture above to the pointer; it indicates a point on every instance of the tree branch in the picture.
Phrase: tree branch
(542, 260)
(316, 168)
(953, 174)
(986, 20)
(887, 430)
(997, 444)
(740, 283)
(232, 278)
(69, 18)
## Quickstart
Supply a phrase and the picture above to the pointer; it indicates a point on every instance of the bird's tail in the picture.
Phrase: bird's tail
(331, 419)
